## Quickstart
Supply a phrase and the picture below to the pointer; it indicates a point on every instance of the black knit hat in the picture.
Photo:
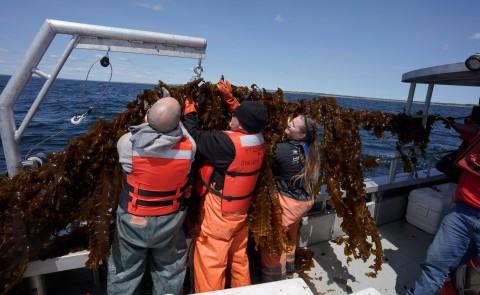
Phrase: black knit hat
(252, 116)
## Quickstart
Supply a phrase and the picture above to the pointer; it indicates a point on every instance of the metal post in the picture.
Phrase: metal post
(426, 107)
(11, 149)
(40, 73)
(37, 285)
(411, 93)
(96, 277)
(11, 92)
(393, 169)
(408, 110)
(45, 88)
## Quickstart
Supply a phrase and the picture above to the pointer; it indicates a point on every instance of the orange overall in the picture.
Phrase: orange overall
(276, 267)
(223, 237)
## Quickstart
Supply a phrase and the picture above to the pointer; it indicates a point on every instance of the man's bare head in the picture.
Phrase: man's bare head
(164, 115)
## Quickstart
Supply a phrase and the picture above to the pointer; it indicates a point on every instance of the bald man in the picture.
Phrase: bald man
(156, 158)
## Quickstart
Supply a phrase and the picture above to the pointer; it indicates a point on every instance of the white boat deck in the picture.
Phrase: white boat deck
(405, 248)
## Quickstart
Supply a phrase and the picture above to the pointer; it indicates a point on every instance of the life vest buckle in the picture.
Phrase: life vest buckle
(134, 201)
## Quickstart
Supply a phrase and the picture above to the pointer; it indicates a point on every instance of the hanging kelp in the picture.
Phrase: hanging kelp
(70, 202)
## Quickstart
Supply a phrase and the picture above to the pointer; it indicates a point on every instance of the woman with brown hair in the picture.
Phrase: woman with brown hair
(297, 175)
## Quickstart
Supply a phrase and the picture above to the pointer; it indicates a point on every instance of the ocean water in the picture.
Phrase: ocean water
(69, 97)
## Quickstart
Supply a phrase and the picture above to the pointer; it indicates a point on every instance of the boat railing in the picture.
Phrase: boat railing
(374, 184)
(83, 36)
(394, 161)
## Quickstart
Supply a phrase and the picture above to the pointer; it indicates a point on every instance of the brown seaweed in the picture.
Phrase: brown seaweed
(73, 198)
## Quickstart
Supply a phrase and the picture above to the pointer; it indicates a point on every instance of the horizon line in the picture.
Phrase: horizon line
(397, 100)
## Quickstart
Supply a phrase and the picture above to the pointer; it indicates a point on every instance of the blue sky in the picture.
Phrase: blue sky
(358, 48)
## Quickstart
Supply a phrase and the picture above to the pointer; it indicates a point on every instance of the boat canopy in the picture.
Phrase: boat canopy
(456, 74)
(450, 74)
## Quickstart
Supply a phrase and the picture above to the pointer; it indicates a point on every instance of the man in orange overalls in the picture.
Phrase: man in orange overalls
(233, 162)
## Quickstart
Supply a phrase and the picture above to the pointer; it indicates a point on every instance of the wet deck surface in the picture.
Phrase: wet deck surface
(404, 246)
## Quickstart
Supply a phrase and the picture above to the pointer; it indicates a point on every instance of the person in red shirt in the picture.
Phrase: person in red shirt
(466, 131)
(458, 237)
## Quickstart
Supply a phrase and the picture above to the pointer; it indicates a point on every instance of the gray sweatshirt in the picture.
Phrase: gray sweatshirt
(144, 137)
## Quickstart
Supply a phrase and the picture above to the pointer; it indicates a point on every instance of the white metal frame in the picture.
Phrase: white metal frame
(84, 36)
(450, 74)
(408, 110)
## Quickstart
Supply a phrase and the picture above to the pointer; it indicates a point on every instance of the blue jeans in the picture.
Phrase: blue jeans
(456, 241)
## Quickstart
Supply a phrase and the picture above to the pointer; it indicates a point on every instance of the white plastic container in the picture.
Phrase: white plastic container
(427, 206)
(368, 291)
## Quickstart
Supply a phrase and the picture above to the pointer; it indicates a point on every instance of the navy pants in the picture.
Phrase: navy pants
(159, 239)
(457, 240)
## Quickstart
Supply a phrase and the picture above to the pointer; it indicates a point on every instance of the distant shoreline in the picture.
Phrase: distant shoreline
(377, 99)
(299, 93)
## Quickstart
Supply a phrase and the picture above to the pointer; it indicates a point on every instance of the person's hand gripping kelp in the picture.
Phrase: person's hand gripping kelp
(225, 89)
(226, 92)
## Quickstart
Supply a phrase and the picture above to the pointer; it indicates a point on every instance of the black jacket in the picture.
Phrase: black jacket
(214, 147)
(289, 161)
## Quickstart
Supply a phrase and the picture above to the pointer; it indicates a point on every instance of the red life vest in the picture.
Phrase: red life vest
(159, 182)
(468, 189)
(241, 175)
(469, 160)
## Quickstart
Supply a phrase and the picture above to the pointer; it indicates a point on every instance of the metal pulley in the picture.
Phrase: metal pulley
(35, 161)
(78, 118)
(105, 61)
(198, 69)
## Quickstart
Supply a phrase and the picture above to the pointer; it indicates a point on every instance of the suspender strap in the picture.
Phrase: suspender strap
(155, 203)
(233, 173)
(203, 182)
(148, 193)
(227, 198)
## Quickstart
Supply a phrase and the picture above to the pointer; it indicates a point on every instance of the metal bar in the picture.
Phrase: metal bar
(426, 107)
(41, 73)
(96, 277)
(63, 27)
(139, 47)
(31, 59)
(46, 86)
(11, 149)
(392, 173)
(12, 91)
(411, 93)
(175, 45)
(388, 159)
(37, 285)
(198, 69)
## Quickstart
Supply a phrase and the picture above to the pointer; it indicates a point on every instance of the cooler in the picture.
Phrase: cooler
(427, 206)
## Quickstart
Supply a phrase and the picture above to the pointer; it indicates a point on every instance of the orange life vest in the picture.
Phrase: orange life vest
(241, 175)
(159, 182)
